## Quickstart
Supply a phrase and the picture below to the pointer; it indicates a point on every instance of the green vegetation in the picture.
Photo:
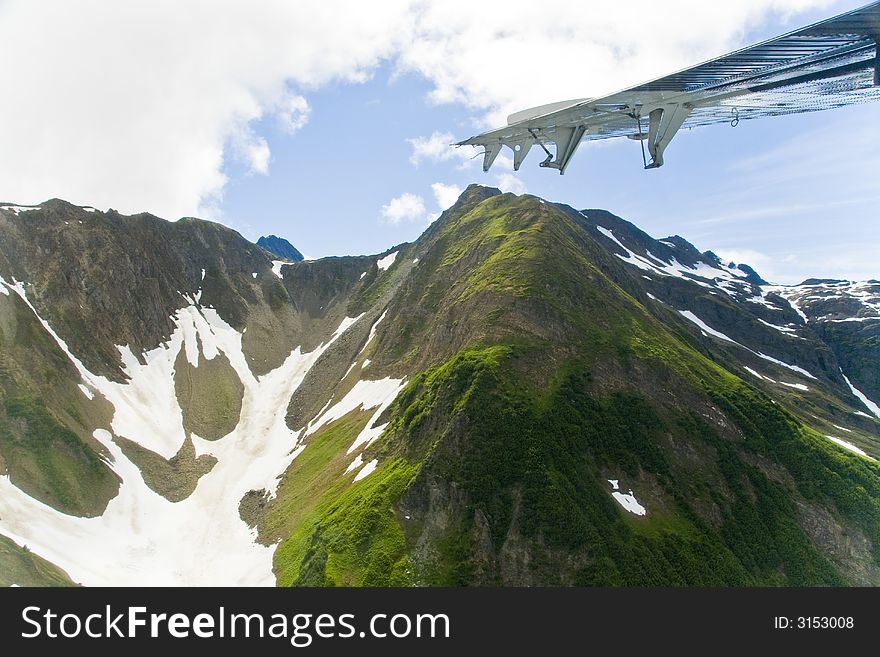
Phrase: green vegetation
(174, 479)
(49, 462)
(20, 566)
(519, 430)
(46, 446)
(337, 532)
(849, 483)
(315, 472)
(540, 456)
(356, 539)
(209, 395)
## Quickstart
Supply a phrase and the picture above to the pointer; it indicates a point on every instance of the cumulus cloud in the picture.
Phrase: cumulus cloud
(142, 105)
(508, 182)
(406, 207)
(444, 194)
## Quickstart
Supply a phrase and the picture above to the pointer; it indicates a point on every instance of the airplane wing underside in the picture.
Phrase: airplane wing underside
(826, 65)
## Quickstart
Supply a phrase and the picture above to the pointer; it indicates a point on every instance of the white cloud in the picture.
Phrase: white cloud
(406, 207)
(252, 150)
(444, 194)
(766, 265)
(438, 148)
(293, 113)
(508, 182)
(140, 105)
(503, 56)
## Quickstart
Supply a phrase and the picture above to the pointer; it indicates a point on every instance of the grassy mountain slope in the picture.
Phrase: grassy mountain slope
(20, 567)
(46, 446)
(541, 379)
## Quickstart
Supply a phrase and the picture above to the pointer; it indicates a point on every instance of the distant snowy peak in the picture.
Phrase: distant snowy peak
(672, 257)
(280, 247)
(835, 301)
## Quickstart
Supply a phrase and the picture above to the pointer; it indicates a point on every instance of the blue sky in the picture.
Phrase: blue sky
(796, 194)
(759, 192)
(298, 119)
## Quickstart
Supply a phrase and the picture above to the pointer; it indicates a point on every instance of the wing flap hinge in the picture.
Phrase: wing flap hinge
(664, 123)
(567, 140)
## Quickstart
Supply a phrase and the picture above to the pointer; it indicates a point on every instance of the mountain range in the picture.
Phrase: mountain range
(528, 394)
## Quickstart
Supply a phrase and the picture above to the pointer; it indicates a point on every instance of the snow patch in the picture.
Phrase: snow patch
(728, 280)
(372, 333)
(757, 374)
(787, 330)
(837, 426)
(799, 386)
(363, 395)
(326, 406)
(254, 274)
(865, 294)
(276, 267)
(347, 372)
(354, 465)
(687, 314)
(344, 326)
(849, 446)
(387, 261)
(610, 235)
(627, 500)
(793, 368)
(862, 397)
(366, 363)
(366, 470)
(761, 300)
(20, 208)
(88, 393)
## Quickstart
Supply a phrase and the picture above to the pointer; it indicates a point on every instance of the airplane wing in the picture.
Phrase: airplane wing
(830, 64)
